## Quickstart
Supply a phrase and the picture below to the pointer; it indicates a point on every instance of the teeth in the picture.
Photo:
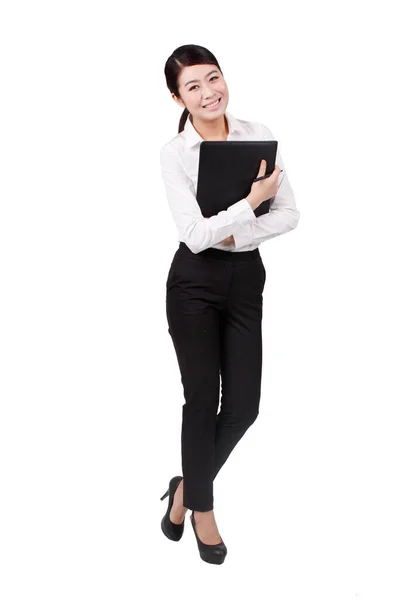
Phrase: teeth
(213, 104)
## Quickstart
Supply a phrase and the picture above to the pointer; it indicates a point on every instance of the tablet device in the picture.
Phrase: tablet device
(227, 171)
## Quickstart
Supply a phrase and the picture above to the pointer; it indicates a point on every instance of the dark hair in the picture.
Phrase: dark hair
(186, 56)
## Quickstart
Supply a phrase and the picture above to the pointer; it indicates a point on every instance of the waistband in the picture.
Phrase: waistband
(220, 254)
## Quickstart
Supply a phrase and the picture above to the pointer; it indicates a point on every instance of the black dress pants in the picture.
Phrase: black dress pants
(214, 311)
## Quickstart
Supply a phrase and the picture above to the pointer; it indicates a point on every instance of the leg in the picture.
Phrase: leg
(241, 360)
(194, 327)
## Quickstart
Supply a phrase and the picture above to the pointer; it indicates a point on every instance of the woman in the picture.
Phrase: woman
(214, 292)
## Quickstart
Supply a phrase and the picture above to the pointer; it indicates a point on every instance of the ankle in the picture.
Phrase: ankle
(203, 515)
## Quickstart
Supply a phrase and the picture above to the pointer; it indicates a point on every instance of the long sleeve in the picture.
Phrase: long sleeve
(196, 231)
(283, 215)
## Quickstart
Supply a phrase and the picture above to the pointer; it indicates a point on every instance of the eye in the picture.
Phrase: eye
(193, 86)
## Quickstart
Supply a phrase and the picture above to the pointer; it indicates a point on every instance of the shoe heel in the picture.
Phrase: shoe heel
(172, 531)
(165, 495)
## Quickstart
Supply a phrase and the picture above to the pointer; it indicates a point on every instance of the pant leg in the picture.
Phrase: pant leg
(241, 358)
(195, 290)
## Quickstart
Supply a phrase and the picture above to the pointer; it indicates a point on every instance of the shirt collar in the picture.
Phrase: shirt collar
(192, 137)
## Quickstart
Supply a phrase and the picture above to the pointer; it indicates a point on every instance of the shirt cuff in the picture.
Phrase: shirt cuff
(242, 212)
(243, 236)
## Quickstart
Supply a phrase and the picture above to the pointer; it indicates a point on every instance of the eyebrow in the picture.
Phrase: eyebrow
(193, 80)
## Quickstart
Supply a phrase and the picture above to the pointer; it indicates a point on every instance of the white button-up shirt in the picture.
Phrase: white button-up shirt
(179, 160)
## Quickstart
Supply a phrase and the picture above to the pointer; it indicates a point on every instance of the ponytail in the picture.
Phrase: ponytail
(183, 120)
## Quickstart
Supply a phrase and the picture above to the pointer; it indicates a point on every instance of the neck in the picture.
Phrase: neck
(211, 130)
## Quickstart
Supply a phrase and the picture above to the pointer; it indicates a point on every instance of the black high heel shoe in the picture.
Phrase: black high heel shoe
(173, 531)
(211, 553)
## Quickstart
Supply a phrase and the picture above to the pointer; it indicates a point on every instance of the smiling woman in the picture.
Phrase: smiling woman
(214, 290)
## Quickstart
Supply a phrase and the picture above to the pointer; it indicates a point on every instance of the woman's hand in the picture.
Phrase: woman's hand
(264, 189)
(227, 241)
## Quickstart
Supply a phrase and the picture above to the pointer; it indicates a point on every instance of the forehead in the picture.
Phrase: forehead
(195, 72)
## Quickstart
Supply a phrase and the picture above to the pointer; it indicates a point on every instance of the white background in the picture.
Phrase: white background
(91, 396)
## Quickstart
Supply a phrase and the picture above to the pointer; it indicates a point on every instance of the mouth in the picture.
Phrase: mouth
(212, 105)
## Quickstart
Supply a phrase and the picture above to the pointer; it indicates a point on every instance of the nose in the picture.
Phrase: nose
(208, 93)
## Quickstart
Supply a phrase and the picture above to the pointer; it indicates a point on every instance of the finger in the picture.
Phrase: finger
(276, 171)
(263, 168)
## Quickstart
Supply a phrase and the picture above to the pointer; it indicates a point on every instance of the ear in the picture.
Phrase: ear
(178, 100)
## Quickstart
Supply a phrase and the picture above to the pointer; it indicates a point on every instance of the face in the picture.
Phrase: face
(209, 85)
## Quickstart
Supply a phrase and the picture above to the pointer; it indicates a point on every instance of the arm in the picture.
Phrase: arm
(196, 231)
(283, 215)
